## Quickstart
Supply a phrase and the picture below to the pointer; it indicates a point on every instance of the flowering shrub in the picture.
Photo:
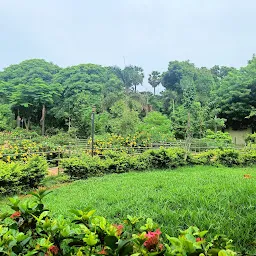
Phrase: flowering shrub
(30, 230)
(20, 150)
(127, 143)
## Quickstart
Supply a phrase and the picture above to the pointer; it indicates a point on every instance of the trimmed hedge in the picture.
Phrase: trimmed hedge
(17, 177)
(114, 162)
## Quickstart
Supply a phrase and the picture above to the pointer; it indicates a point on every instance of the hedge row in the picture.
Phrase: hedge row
(113, 162)
(17, 177)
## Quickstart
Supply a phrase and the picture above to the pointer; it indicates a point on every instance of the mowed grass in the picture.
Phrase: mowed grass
(216, 198)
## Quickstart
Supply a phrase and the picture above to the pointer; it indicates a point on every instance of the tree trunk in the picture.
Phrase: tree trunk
(135, 87)
(27, 123)
(188, 137)
(42, 121)
(154, 91)
(173, 106)
(215, 123)
(18, 119)
(69, 118)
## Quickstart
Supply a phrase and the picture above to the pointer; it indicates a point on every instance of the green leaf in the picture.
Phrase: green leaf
(111, 241)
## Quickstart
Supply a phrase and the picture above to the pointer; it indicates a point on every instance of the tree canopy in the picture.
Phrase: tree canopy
(39, 95)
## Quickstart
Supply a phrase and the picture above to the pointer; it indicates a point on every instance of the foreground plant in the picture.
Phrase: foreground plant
(30, 230)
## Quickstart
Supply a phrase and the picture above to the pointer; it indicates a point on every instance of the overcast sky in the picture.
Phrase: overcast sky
(148, 33)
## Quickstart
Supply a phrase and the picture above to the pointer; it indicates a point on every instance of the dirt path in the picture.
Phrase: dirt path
(53, 171)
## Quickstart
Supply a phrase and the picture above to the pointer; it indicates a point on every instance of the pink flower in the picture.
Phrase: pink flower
(152, 239)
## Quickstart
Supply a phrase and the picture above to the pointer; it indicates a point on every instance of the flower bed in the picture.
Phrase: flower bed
(30, 230)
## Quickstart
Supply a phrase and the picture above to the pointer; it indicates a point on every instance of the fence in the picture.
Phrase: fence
(81, 145)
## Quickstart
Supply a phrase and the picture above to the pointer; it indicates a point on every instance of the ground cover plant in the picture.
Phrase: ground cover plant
(30, 230)
(219, 199)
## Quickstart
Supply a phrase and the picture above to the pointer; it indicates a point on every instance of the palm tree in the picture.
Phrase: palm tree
(154, 79)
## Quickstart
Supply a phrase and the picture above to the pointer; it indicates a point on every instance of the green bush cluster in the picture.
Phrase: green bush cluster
(114, 162)
(82, 167)
(31, 230)
(111, 162)
(226, 157)
(17, 177)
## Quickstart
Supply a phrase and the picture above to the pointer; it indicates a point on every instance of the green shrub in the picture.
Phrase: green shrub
(31, 230)
(119, 162)
(228, 157)
(248, 157)
(10, 178)
(216, 139)
(83, 168)
(250, 138)
(16, 177)
(139, 162)
(203, 158)
(166, 158)
(34, 171)
(111, 162)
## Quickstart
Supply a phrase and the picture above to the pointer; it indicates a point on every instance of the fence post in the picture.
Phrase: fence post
(58, 160)
(69, 149)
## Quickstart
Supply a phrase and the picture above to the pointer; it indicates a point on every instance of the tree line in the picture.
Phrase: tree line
(41, 96)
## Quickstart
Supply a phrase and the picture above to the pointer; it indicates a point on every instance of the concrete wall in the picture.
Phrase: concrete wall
(239, 135)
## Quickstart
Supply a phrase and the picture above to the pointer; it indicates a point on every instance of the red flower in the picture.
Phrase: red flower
(103, 252)
(119, 229)
(15, 215)
(54, 249)
(152, 239)
(199, 239)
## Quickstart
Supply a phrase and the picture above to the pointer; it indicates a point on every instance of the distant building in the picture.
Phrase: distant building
(238, 136)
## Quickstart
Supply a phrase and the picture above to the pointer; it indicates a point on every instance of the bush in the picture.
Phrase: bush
(112, 162)
(250, 139)
(166, 158)
(203, 158)
(82, 168)
(228, 157)
(10, 178)
(162, 158)
(248, 157)
(30, 230)
(16, 177)
(34, 171)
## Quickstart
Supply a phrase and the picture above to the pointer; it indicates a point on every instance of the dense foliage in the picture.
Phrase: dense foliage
(45, 98)
(85, 166)
(31, 230)
(17, 177)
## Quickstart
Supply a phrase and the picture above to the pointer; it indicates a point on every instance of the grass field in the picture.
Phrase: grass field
(216, 198)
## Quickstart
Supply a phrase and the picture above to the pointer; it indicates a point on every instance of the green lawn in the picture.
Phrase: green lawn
(216, 198)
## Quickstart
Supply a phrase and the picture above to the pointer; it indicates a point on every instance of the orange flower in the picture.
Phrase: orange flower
(103, 252)
(15, 215)
(247, 176)
(199, 239)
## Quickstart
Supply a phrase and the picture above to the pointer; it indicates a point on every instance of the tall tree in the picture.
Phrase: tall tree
(131, 76)
(154, 79)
